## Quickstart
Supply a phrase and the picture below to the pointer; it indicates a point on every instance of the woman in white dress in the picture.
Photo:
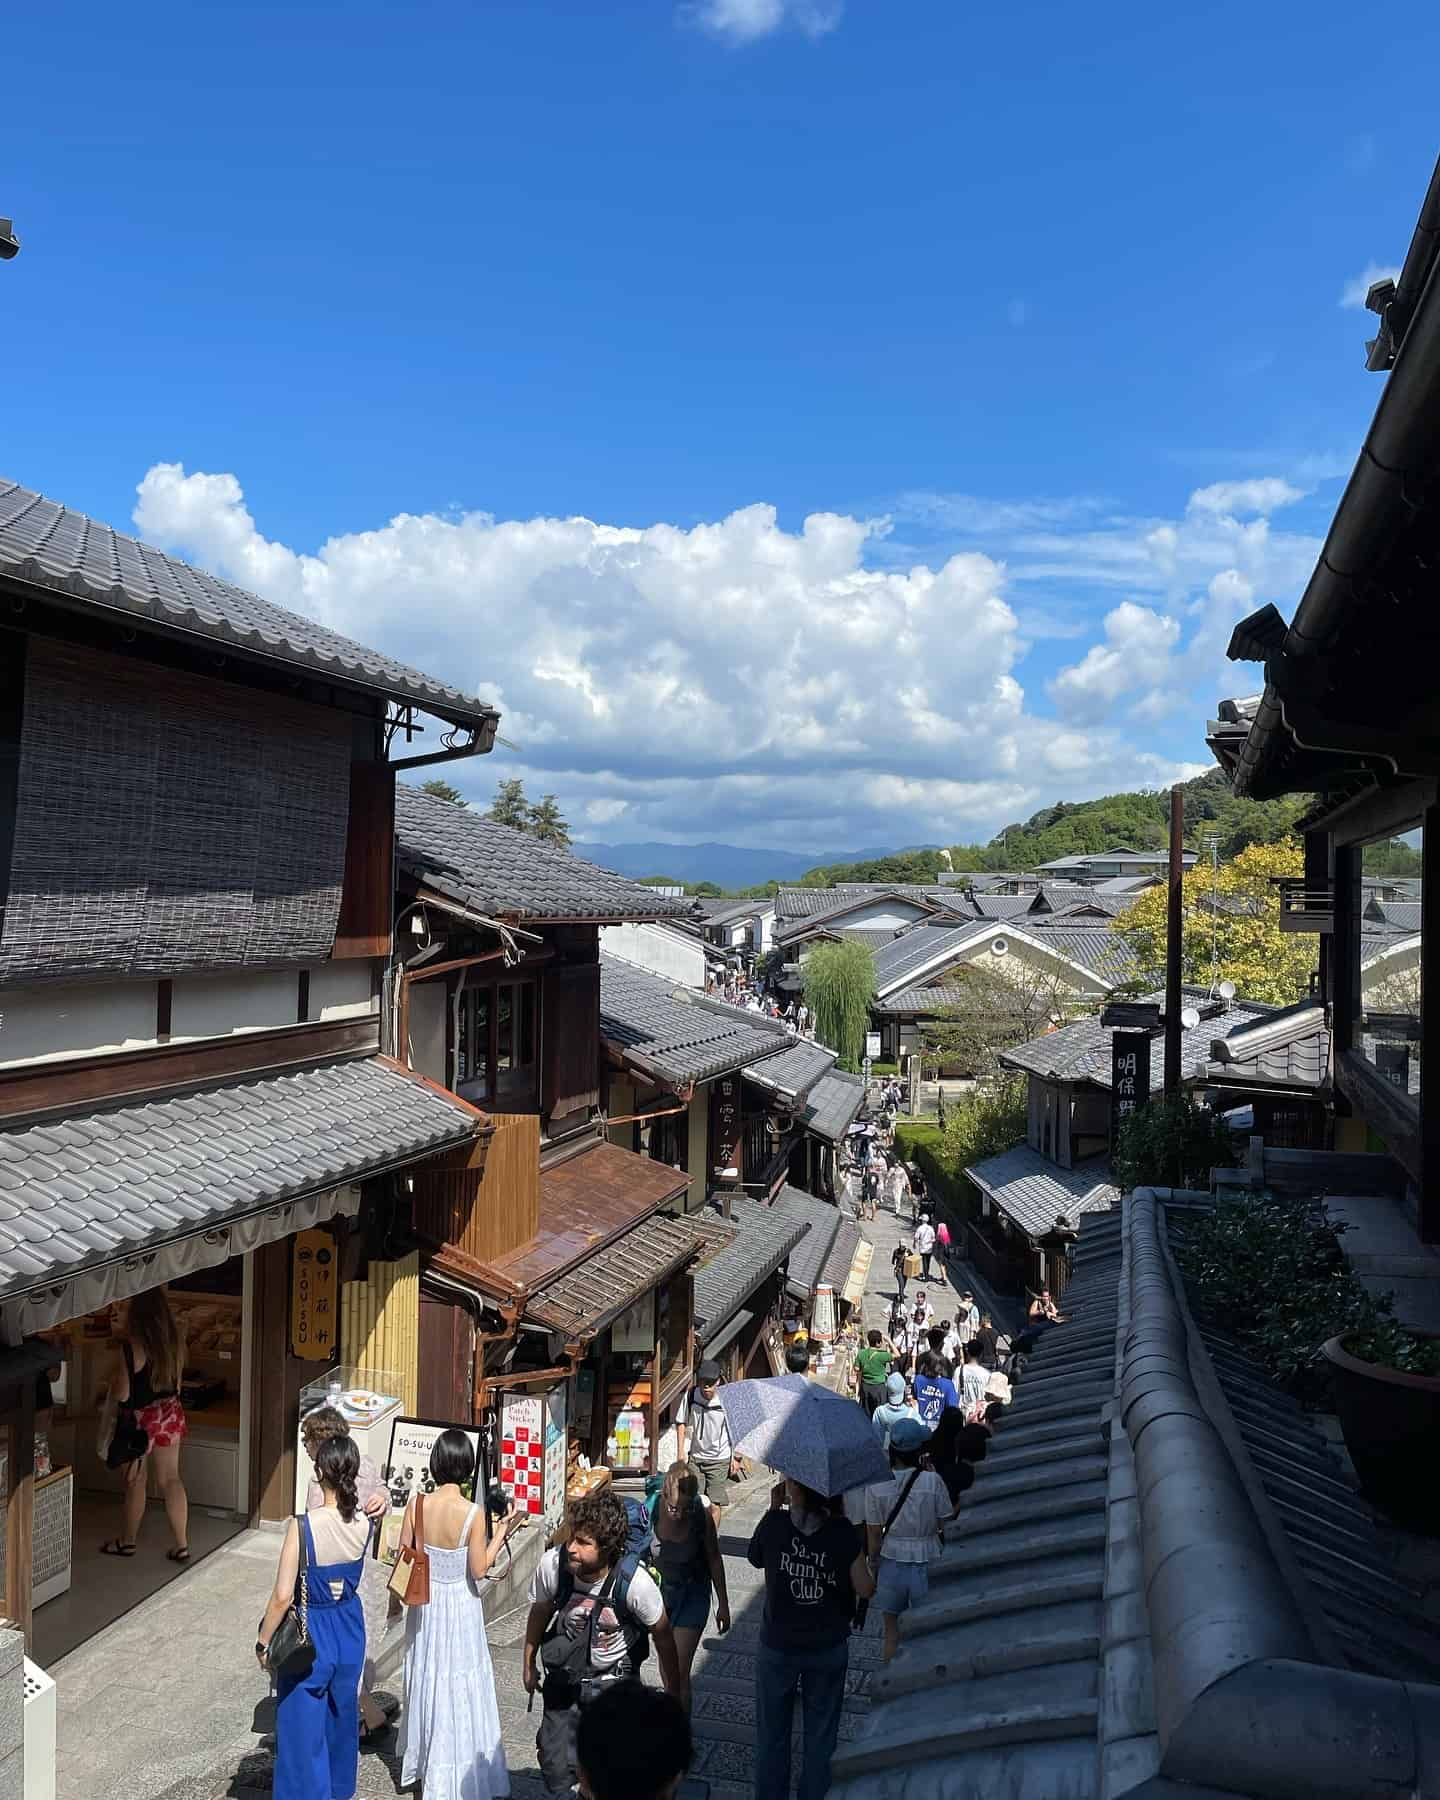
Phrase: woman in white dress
(450, 1735)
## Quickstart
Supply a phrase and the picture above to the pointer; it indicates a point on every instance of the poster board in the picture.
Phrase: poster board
(407, 1468)
(532, 1452)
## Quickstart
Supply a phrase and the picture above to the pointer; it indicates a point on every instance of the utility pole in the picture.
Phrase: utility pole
(1174, 924)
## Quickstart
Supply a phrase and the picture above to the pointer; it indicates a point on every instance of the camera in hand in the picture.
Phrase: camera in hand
(497, 1501)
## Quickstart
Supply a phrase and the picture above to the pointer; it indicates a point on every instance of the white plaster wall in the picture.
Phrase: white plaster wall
(342, 990)
(215, 1005)
(882, 915)
(671, 954)
(427, 1029)
(41, 1024)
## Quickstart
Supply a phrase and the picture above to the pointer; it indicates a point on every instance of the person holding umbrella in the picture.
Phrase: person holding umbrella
(815, 1569)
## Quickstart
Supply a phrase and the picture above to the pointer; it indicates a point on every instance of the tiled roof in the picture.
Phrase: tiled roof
(1078, 903)
(832, 1104)
(721, 912)
(808, 1258)
(916, 1002)
(1031, 1190)
(673, 1032)
(1081, 1052)
(793, 1072)
(871, 938)
(1000, 906)
(754, 1243)
(508, 874)
(599, 1289)
(836, 1269)
(94, 1187)
(809, 902)
(1289, 1047)
(49, 546)
(924, 946)
(1094, 946)
(1404, 915)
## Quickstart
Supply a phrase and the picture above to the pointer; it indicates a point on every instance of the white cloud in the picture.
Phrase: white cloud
(746, 21)
(733, 679)
(1262, 494)
(1354, 291)
(1138, 653)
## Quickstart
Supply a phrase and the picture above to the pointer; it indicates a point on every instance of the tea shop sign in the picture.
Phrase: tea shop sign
(314, 1296)
(1129, 1077)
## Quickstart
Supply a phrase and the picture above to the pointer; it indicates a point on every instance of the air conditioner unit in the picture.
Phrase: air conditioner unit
(39, 1734)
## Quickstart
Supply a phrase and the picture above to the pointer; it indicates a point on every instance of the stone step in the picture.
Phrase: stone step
(1086, 1440)
(935, 1660)
(1027, 1543)
(1009, 1591)
(731, 1688)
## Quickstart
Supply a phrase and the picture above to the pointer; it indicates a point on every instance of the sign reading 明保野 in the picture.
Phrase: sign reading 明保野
(1129, 1077)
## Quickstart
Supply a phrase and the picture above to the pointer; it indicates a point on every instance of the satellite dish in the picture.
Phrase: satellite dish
(1226, 990)
(1190, 1017)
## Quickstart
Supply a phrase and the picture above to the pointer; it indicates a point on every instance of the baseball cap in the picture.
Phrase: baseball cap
(709, 1370)
(894, 1389)
(908, 1434)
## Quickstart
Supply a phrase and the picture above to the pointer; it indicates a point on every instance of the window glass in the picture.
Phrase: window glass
(505, 1029)
(1390, 960)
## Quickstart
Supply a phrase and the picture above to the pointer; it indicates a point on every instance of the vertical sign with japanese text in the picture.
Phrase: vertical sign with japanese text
(1129, 1077)
(725, 1124)
(314, 1296)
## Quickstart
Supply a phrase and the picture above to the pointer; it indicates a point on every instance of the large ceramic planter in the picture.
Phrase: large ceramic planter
(1391, 1423)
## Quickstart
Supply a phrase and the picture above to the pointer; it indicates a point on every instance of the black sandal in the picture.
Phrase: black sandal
(116, 1547)
(182, 1555)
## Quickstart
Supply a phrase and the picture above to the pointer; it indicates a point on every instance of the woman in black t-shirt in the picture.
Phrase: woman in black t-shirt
(815, 1567)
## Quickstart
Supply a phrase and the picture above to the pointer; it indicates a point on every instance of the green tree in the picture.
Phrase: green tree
(983, 1123)
(442, 790)
(1231, 921)
(546, 822)
(839, 989)
(705, 890)
(510, 807)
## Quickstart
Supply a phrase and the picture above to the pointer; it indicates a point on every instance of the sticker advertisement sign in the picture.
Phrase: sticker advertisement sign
(532, 1452)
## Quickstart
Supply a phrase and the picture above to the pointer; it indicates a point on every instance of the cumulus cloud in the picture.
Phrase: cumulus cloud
(1354, 291)
(746, 21)
(731, 679)
(1137, 653)
(1263, 494)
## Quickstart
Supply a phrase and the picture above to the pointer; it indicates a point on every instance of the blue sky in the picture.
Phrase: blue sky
(523, 339)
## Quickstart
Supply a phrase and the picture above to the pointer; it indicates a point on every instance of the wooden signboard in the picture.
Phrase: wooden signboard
(314, 1296)
(1129, 1077)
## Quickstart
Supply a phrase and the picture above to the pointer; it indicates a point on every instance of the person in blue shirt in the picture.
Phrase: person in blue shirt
(934, 1390)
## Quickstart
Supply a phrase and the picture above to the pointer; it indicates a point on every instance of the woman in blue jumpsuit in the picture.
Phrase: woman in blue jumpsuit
(317, 1717)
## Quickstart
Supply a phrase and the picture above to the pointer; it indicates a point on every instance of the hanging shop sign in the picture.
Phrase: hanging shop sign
(1129, 1077)
(314, 1296)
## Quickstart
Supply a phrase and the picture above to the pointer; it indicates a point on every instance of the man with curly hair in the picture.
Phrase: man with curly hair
(593, 1610)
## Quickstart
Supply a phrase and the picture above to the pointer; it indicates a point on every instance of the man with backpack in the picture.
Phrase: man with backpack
(593, 1609)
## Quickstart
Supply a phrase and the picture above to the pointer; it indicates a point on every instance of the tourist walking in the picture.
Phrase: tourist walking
(903, 1519)
(872, 1365)
(685, 1549)
(703, 1434)
(892, 1409)
(450, 1735)
(898, 1257)
(316, 1428)
(934, 1390)
(815, 1567)
(633, 1744)
(317, 1715)
(897, 1188)
(974, 1382)
(144, 1375)
(925, 1244)
(593, 1610)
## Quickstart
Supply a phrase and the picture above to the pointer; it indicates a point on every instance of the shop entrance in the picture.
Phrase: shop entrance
(77, 1592)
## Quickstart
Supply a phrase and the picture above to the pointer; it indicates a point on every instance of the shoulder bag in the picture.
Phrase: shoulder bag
(410, 1578)
(862, 1606)
(123, 1439)
(291, 1650)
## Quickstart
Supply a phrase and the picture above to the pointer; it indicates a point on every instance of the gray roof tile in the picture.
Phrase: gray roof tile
(748, 1249)
(794, 1071)
(832, 1104)
(1081, 1052)
(1032, 1191)
(674, 1030)
(508, 874)
(47, 545)
(810, 1255)
(331, 1123)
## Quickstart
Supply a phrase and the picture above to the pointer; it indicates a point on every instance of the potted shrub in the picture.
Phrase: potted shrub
(1387, 1398)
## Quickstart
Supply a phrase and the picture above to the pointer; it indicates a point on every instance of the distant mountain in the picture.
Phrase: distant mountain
(727, 865)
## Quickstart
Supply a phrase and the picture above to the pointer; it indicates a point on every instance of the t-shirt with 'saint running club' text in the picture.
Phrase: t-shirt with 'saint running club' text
(809, 1599)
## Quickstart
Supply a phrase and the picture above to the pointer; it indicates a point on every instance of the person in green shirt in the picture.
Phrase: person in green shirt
(872, 1365)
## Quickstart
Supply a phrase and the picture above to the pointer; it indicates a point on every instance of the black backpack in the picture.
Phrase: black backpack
(616, 1594)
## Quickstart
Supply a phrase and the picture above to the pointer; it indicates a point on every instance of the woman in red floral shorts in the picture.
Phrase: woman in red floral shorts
(145, 1374)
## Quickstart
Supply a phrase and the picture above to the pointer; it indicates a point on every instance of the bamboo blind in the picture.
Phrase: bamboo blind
(380, 1322)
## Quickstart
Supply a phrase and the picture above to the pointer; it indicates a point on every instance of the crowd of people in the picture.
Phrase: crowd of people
(736, 990)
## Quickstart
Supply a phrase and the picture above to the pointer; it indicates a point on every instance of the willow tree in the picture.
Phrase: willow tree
(839, 990)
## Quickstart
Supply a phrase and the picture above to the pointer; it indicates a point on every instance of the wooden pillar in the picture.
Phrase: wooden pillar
(1429, 1028)
(1345, 959)
(20, 1510)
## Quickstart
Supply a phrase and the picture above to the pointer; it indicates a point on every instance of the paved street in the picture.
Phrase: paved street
(215, 1747)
